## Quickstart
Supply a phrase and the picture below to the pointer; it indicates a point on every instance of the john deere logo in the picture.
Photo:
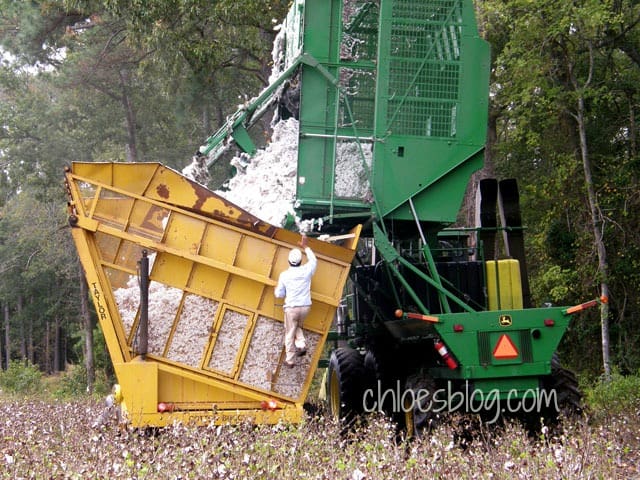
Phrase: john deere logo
(505, 321)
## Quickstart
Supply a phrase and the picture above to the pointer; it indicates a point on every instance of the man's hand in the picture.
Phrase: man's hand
(303, 241)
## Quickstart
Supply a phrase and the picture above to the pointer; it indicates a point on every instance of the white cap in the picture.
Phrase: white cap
(295, 257)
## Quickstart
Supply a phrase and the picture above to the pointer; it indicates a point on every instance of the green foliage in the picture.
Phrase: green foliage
(21, 378)
(619, 394)
(561, 243)
(555, 285)
(34, 31)
(72, 383)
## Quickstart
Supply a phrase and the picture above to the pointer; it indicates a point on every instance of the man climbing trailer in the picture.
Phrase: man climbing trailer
(294, 285)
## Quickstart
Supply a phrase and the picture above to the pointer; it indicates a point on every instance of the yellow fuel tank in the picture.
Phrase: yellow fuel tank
(215, 335)
(504, 286)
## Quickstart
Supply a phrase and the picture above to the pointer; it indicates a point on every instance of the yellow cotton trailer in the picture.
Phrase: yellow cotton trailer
(215, 330)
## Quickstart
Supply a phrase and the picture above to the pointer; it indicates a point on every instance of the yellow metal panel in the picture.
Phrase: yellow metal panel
(243, 292)
(117, 174)
(320, 317)
(107, 246)
(147, 220)
(220, 243)
(504, 285)
(270, 305)
(137, 183)
(139, 383)
(177, 388)
(207, 281)
(214, 267)
(328, 279)
(97, 172)
(126, 255)
(171, 270)
(256, 254)
(185, 233)
(113, 208)
(221, 416)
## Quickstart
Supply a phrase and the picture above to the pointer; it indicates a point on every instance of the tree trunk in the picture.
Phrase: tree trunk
(7, 335)
(132, 142)
(85, 315)
(206, 120)
(23, 333)
(633, 149)
(47, 365)
(30, 347)
(598, 234)
(58, 365)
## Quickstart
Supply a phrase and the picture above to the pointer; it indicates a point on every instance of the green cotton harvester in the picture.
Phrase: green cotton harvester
(391, 97)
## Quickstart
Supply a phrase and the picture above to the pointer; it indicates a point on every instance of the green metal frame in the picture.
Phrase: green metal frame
(368, 96)
(404, 83)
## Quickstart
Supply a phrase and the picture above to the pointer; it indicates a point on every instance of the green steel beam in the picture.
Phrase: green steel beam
(238, 123)
(391, 255)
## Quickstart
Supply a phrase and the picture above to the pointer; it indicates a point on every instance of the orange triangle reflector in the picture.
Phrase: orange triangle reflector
(505, 348)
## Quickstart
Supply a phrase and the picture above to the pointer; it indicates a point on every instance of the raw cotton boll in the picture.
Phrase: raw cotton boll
(266, 185)
(192, 331)
(352, 164)
(163, 306)
(291, 380)
(228, 341)
(263, 354)
(127, 300)
(309, 224)
(198, 170)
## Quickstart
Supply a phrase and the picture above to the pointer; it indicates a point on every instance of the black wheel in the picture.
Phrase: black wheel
(418, 405)
(345, 389)
(562, 389)
(373, 379)
(384, 373)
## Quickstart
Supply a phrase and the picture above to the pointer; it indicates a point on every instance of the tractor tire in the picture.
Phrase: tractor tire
(419, 415)
(383, 374)
(567, 394)
(345, 386)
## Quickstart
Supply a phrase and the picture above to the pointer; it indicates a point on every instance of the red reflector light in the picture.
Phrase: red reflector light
(165, 407)
(458, 328)
(270, 405)
(549, 322)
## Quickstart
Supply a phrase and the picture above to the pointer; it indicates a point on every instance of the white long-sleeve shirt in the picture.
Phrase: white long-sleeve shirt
(294, 284)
